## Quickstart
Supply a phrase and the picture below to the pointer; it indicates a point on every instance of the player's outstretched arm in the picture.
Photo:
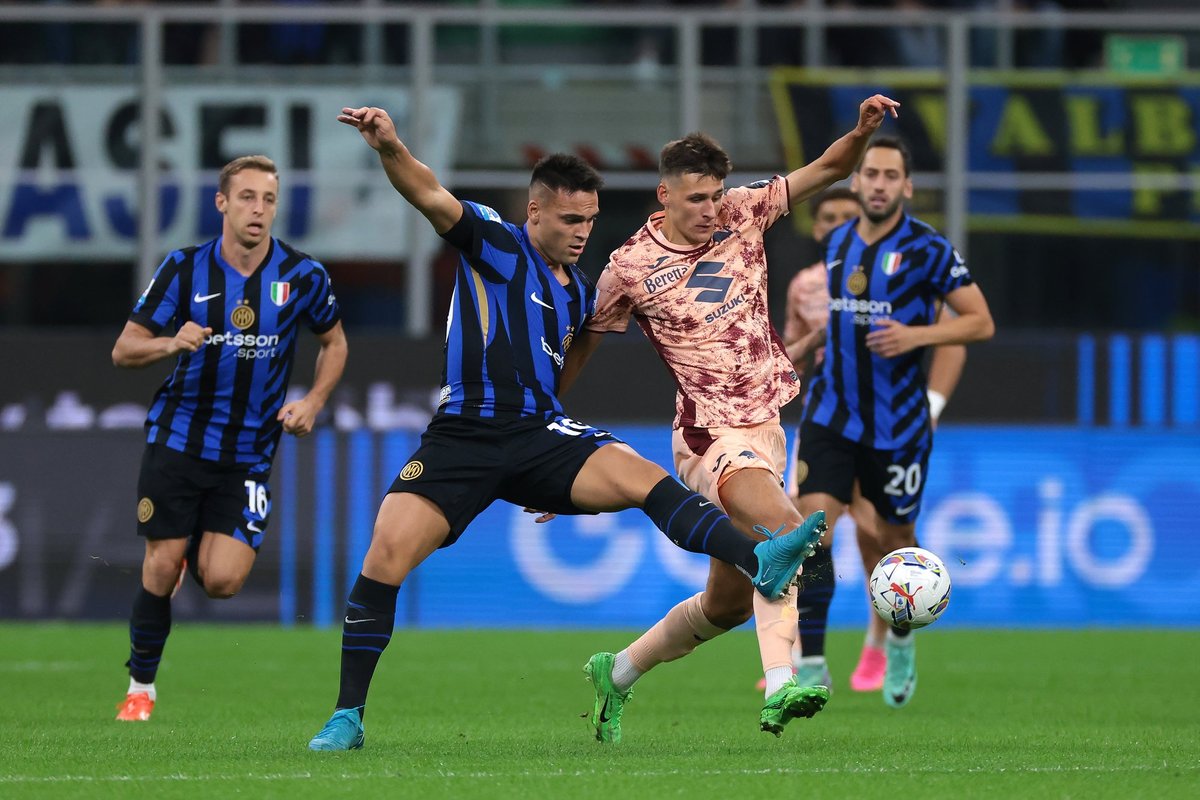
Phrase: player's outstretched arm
(582, 347)
(299, 416)
(414, 180)
(840, 158)
(138, 347)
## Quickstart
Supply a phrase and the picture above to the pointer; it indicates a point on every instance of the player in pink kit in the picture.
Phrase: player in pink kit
(807, 295)
(694, 277)
(804, 337)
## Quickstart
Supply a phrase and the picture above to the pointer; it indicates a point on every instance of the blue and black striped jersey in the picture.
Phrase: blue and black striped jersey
(510, 324)
(879, 402)
(220, 402)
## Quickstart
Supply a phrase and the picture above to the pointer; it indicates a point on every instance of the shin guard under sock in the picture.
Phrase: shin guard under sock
(699, 526)
(366, 631)
(149, 626)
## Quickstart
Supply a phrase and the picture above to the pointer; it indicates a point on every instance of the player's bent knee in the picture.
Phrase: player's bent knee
(631, 475)
(727, 611)
(160, 571)
(731, 618)
(614, 478)
(223, 587)
(163, 570)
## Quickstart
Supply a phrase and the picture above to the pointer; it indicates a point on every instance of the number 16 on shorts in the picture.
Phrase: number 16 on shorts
(258, 511)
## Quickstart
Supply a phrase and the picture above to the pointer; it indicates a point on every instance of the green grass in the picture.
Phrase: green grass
(1092, 714)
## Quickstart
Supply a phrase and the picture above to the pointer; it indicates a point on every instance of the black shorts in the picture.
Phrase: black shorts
(893, 480)
(464, 463)
(181, 495)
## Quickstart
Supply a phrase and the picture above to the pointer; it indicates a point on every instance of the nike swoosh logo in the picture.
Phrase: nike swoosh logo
(250, 526)
(604, 711)
(833, 264)
(902, 695)
(533, 296)
(204, 298)
(905, 510)
(356, 621)
(708, 503)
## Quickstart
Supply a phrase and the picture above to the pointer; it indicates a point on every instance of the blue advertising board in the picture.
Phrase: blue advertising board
(1038, 526)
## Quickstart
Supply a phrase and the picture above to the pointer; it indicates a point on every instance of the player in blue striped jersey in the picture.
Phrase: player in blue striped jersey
(526, 317)
(500, 432)
(228, 311)
(867, 414)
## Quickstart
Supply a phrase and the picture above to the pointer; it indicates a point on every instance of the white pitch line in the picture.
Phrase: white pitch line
(181, 777)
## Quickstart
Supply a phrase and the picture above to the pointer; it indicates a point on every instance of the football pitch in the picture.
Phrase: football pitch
(500, 714)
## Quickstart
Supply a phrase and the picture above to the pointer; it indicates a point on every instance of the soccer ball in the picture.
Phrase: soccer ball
(910, 587)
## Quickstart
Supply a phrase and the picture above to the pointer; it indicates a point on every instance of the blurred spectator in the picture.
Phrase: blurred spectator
(296, 43)
(97, 43)
(860, 47)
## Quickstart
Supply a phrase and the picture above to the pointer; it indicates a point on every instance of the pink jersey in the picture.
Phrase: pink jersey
(807, 304)
(705, 310)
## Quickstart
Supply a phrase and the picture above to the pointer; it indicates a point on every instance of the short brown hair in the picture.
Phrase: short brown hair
(260, 163)
(564, 172)
(891, 143)
(698, 154)
(836, 193)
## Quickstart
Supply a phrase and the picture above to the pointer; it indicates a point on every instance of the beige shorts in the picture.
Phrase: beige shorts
(707, 457)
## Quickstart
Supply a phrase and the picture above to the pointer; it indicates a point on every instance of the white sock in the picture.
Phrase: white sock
(624, 673)
(148, 688)
(776, 678)
(870, 640)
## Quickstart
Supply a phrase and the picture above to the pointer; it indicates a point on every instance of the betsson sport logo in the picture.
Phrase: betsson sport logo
(866, 312)
(250, 346)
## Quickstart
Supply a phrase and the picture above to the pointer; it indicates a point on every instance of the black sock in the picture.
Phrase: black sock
(817, 583)
(149, 625)
(698, 525)
(366, 631)
(900, 633)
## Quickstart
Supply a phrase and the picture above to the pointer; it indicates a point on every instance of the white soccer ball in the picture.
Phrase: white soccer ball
(910, 587)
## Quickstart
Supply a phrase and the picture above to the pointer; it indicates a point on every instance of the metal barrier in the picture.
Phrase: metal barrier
(692, 82)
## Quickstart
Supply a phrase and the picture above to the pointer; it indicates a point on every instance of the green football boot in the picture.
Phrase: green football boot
(900, 679)
(790, 701)
(606, 713)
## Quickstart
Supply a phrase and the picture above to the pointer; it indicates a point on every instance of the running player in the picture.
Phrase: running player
(867, 416)
(231, 309)
(694, 277)
(500, 431)
(803, 335)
